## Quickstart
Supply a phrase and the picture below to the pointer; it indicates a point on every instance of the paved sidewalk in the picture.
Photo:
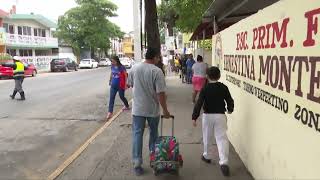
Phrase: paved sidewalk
(109, 157)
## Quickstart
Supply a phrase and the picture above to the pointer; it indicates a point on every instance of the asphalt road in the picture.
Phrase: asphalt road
(61, 111)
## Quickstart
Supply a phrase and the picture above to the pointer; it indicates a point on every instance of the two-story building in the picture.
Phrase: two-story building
(128, 45)
(30, 37)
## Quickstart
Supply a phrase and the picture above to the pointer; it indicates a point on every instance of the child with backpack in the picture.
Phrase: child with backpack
(213, 98)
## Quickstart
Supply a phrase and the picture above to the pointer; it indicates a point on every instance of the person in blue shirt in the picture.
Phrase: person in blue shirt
(117, 83)
(190, 63)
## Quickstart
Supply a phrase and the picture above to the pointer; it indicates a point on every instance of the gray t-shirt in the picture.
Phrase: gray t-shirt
(147, 81)
(200, 69)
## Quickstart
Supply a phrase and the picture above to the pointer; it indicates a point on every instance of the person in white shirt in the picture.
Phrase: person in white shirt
(165, 60)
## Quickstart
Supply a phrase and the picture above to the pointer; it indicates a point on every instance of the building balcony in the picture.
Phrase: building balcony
(22, 41)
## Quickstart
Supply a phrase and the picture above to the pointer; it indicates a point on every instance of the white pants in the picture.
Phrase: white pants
(218, 123)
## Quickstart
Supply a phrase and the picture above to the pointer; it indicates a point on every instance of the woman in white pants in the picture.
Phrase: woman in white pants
(213, 98)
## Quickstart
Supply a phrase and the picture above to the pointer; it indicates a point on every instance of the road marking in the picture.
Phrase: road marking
(84, 146)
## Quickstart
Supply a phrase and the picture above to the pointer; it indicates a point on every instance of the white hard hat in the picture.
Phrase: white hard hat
(16, 58)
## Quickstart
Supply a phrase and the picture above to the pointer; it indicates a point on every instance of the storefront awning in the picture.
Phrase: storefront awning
(226, 13)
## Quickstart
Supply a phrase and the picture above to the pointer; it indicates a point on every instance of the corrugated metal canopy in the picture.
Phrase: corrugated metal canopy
(227, 13)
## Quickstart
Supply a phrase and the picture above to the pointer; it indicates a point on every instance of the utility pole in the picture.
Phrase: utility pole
(137, 30)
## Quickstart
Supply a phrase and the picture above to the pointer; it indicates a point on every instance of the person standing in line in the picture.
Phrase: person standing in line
(213, 98)
(184, 69)
(161, 65)
(190, 63)
(199, 71)
(148, 83)
(165, 63)
(117, 83)
(177, 64)
(18, 76)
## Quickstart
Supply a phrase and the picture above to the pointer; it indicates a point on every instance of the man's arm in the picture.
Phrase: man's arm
(160, 85)
(163, 102)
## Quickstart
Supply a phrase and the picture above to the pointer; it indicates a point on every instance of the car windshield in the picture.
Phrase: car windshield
(86, 61)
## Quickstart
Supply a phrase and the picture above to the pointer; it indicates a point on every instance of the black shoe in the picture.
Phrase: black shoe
(205, 160)
(13, 94)
(22, 96)
(225, 170)
(138, 171)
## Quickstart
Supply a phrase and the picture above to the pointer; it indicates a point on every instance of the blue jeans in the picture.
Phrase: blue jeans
(113, 93)
(138, 125)
(189, 75)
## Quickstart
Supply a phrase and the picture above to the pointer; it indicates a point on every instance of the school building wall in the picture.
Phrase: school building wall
(271, 63)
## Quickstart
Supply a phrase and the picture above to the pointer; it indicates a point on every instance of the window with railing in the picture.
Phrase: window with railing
(24, 30)
(25, 52)
(39, 32)
(12, 52)
(8, 28)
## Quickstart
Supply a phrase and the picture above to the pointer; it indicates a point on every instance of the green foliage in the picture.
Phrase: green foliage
(186, 14)
(87, 25)
(206, 44)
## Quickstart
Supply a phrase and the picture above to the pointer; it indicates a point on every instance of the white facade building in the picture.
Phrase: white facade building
(31, 38)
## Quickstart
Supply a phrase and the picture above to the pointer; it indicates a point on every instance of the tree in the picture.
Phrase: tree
(183, 14)
(151, 25)
(87, 25)
(167, 16)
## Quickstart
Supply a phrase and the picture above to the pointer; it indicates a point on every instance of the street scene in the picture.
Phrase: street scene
(159, 89)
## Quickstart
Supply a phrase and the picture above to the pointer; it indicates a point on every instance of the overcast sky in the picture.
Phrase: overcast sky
(52, 9)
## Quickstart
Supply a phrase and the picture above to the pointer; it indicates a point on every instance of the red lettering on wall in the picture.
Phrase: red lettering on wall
(242, 41)
(262, 35)
(312, 27)
(255, 37)
(278, 34)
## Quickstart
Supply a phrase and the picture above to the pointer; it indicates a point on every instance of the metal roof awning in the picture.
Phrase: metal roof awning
(225, 13)
(36, 17)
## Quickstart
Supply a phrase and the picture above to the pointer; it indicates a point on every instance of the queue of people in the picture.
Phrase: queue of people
(147, 81)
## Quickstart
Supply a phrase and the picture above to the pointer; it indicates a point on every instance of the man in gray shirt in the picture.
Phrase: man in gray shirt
(148, 83)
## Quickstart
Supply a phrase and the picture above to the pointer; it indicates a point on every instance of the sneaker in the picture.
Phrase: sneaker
(205, 160)
(138, 171)
(109, 116)
(11, 96)
(125, 108)
(225, 170)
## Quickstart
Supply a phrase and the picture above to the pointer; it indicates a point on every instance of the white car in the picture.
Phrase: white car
(88, 63)
(105, 62)
(126, 62)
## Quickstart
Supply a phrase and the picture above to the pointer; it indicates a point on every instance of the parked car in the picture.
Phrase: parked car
(88, 63)
(7, 72)
(105, 62)
(126, 62)
(63, 64)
